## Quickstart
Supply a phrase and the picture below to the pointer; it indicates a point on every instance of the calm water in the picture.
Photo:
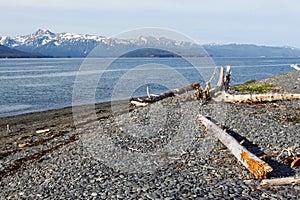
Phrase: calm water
(30, 85)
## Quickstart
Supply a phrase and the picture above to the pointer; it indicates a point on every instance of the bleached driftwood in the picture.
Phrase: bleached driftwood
(294, 163)
(281, 181)
(227, 78)
(254, 164)
(8, 131)
(138, 103)
(154, 98)
(42, 131)
(295, 66)
(150, 95)
(256, 98)
(221, 87)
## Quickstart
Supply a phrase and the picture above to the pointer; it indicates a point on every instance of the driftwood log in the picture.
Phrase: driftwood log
(154, 98)
(280, 181)
(254, 164)
(257, 98)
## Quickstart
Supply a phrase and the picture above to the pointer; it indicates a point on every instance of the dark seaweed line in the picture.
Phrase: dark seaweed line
(18, 163)
(11, 169)
(37, 143)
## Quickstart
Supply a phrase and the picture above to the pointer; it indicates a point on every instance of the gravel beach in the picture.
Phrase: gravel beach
(156, 152)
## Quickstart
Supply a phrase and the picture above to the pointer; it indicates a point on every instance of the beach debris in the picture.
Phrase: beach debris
(295, 66)
(218, 93)
(138, 103)
(22, 145)
(295, 162)
(42, 131)
(258, 98)
(200, 94)
(255, 165)
(278, 153)
(280, 181)
(150, 95)
(8, 131)
(154, 98)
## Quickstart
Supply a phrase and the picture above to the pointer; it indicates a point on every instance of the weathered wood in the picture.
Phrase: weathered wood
(280, 181)
(227, 77)
(220, 83)
(264, 157)
(254, 164)
(8, 131)
(138, 104)
(295, 162)
(257, 98)
(152, 99)
(295, 66)
(217, 93)
(150, 95)
(42, 131)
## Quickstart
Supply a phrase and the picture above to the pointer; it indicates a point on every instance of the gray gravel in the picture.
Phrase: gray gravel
(162, 152)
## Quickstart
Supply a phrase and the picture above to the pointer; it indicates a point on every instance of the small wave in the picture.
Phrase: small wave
(37, 85)
(13, 108)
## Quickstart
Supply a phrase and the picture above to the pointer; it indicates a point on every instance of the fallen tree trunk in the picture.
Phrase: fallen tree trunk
(257, 98)
(280, 181)
(254, 164)
(154, 98)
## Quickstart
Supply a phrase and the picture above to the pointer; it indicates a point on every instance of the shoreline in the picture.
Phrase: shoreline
(64, 115)
(55, 117)
(72, 162)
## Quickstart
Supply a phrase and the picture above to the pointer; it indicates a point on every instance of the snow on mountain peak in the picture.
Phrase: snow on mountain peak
(45, 37)
(73, 44)
(43, 32)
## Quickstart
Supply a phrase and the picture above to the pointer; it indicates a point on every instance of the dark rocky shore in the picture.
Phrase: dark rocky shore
(155, 152)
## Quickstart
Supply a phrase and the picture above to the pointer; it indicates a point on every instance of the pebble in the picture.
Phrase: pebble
(297, 187)
(94, 194)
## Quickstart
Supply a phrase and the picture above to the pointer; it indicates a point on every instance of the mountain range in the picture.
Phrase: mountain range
(48, 44)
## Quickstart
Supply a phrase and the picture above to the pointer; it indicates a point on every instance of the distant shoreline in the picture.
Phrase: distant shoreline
(65, 115)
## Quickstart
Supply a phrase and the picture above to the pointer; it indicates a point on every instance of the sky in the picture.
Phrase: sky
(261, 22)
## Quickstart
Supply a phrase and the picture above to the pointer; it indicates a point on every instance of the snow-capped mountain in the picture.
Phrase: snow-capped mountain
(43, 37)
(79, 45)
(45, 42)
(58, 45)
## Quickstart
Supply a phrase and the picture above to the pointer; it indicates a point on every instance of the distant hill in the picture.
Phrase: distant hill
(248, 50)
(45, 42)
(6, 52)
(150, 52)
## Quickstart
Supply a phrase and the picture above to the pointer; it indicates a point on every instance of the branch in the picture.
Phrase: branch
(254, 164)
(280, 181)
(227, 78)
(147, 101)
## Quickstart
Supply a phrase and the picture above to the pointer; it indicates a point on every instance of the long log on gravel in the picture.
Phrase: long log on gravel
(280, 181)
(254, 164)
(147, 101)
(256, 98)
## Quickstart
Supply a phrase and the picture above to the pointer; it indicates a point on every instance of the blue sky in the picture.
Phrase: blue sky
(263, 22)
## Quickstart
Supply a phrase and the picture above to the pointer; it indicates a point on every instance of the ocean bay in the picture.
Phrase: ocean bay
(31, 85)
